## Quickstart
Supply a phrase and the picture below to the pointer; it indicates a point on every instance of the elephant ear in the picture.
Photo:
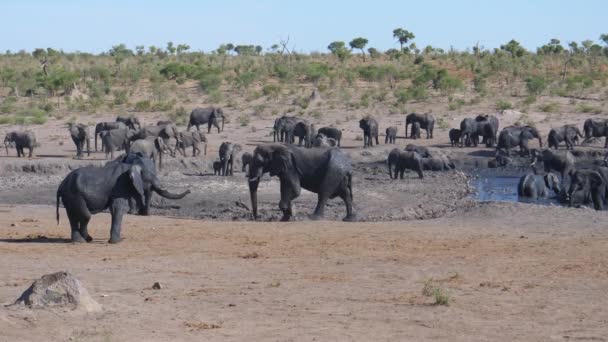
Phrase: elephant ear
(596, 180)
(137, 181)
(282, 161)
(159, 144)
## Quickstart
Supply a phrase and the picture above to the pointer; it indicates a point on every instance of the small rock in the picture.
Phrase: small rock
(156, 286)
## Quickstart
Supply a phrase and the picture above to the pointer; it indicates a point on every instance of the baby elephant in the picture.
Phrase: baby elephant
(246, 160)
(399, 160)
(415, 134)
(194, 139)
(537, 186)
(391, 135)
(454, 136)
(217, 168)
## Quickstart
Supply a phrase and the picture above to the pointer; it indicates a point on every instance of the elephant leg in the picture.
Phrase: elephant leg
(377, 142)
(117, 209)
(290, 190)
(84, 228)
(74, 225)
(83, 217)
(319, 212)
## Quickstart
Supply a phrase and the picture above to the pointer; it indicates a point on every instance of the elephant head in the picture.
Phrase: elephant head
(218, 113)
(587, 184)
(532, 133)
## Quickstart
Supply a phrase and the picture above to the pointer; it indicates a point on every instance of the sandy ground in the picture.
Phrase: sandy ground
(512, 272)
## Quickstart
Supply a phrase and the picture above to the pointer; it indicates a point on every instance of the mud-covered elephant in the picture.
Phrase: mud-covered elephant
(369, 126)
(399, 160)
(116, 140)
(567, 133)
(305, 131)
(322, 141)
(426, 121)
(80, 137)
(209, 115)
(513, 136)
(454, 135)
(106, 126)
(166, 132)
(131, 122)
(538, 186)
(228, 152)
(589, 186)
(391, 135)
(468, 132)
(89, 190)
(487, 128)
(152, 148)
(21, 140)
(331, 132)
(438, 162)
(415, 130)
(324, 171)
(562, 162)
(423, 151)
(596, 128)
(191, 139)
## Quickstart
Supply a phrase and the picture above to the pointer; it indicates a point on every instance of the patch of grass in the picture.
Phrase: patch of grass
(244, 120)
(503, 105)
(457, 104)
(442, 123)
(549, 107)
(585, 108)
(441, 296)
(143, 106)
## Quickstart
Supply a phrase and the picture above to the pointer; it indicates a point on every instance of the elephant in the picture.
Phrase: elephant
(589, 186)
(499, 160)
(438, 162)
(209, 116)
(89, 190)
(468, 132)
(537, 186)
(423, 151)
(596, 129)
(331, 132)
(415, 133)
(391, 135)
(194, 139)
(324, 171)
(130, 121)
(305, 133)
(399, 160)
(567, 133)
(24, 139)
(517, 136)
(116, 140)
(322, 141)
(80, 136)
(228, 153)
(561, 161)
(166, 132)
(106, 126)
(426, 121)
(369, 126)
(164, 122)
(217, 168)
(285, 129)
(152, 148)
(487, 128)
(454, 136)
(246, 160)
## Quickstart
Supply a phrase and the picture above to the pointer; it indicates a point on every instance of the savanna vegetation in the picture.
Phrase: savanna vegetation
(268, 81)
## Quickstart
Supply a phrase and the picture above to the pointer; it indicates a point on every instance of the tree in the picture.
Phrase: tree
(140, 50)
(554, 47)
(39, 54)
(359, 43)
(170, 48)
(120, 53)
(182, 48)
(373, 52)
(258, 50)
(402, 36)
(338, 49)
(514, 48)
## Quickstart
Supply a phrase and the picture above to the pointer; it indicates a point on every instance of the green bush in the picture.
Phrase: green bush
(549, 107)
(314, 72)
(536, 85)
(143, 106)
(271, 89)
(503, 105)
(244, 120)
(120, 97)
(179, 116)
(585, 108)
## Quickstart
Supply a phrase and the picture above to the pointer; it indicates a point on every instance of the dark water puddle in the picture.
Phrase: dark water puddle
(502, 189)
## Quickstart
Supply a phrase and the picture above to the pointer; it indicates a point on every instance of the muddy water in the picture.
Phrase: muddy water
(502, 188)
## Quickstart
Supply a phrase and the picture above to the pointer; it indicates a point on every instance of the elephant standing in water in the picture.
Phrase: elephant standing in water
(89, 190)
(589, 186)
(370, 131)
(245, 161)
(210, 116)
(116, 140)
(537, 186)
(324, 171)
(21, 140)
(560, 161)
(400, 160)
(454, 136)
(80, 136)
(426, 121)
(513, 136)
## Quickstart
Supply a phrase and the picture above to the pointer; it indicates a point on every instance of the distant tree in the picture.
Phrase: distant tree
(373, 52)
(258, 50)
(120, 52)
(403, 36)
(39, 54)
(587, 44)
(393, 53)
(140, 50)
(574, 47)
(170, 48)
(554, 47)
(359, 43)
(245, 50)
(152, 49)
(514, 48)
(338, 49)
(182, 48)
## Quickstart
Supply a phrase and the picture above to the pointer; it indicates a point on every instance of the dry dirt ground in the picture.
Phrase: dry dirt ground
(511, 271)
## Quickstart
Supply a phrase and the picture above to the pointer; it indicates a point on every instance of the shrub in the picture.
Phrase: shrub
(179, 116)
(536, 85)
(143, 106)
(503, 105)
(120, 97)
(440, 296)
(549, 107)
(244, 120)
(585, 108)
(209, 81)
(271, 89)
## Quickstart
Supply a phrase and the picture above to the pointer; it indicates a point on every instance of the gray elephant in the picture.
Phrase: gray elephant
(106, 126)
(228, 152)
(80, 136)
(324, 171)
(513, 136)
(415, 133)
(305, 132)
(194, 139)
(217, 168)
(589, 186)
(468, 132)
(426, 121)
(595, 129)
(454, 136)
(130, 121)
(537, 186)
(164, 122)
(152, 148)
(90, 190)
(331, 132)
(21, 140)
(369, 126)
(116, 140)
(423, 151)
(399, 160)
(166, 132)
(487, 128)
(245, 161)
(284, 129)
(561, 161)
(567, 133)
(438, 162)
(210, 116)
(322, 141)
(390, 135)
(499, 161)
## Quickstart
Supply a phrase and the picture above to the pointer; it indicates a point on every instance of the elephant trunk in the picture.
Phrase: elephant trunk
(222, 123)
(540, 142)
(253, 193)
(166, 194)
(96, 141)
(6, 147)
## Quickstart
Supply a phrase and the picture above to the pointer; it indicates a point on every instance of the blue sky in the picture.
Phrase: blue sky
(95, 25)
